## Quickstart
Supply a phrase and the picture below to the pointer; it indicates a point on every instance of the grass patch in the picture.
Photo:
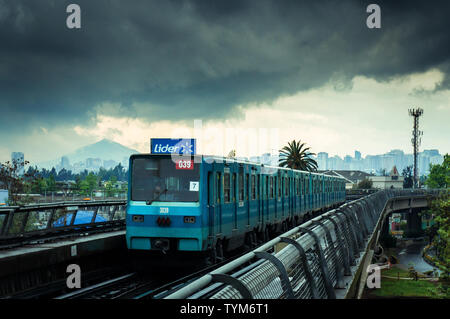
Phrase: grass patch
(392, 288)
(394, 272)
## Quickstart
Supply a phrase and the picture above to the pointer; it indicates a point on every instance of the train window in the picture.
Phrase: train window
(218, 189)
(234, 187)
(297, 182)
(271, 186)
(210, 191)
(279, 186)
(267, 186)
(253, 187)
(241, 187)
(247, 187)
(226, 188)
(286, 186)
(158, 179)
(257, 188)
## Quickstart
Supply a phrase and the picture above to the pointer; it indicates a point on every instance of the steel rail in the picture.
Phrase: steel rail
(95, 288)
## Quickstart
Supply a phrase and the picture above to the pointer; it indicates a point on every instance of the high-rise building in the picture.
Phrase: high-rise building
(17, 158)
(357, 155)
(65, 163)
(322, 160)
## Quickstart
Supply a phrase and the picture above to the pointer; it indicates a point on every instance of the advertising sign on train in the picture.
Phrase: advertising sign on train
(172, 146)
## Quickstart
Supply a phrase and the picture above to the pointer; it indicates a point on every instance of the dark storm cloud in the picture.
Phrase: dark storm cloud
(190, 59)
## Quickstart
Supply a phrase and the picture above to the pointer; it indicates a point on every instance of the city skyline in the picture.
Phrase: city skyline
(374, 163)
(371, 163)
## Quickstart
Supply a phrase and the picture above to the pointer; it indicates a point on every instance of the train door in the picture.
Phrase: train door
(266, 199)
(258, 197)
(242, 200)
(211, 202)
(285, 195)
(291, 204)
(278, 197)
(262, 198)
(218, 204)
(247, 197)
(293, 196)
(310, 196)
(235, 199)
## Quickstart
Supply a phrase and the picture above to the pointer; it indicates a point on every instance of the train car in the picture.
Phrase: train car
(212, 205)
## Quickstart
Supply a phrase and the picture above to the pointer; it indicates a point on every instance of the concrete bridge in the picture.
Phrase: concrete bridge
(325, 257)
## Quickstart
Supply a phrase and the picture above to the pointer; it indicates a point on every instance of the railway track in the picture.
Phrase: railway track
(109, 289)
(142, 286)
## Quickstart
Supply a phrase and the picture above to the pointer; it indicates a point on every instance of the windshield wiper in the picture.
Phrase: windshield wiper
(149, 202)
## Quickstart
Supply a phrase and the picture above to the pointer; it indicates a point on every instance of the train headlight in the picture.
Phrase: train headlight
(189, 219)
(138, 218)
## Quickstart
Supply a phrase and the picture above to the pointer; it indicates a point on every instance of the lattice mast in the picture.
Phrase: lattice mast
(416, 139)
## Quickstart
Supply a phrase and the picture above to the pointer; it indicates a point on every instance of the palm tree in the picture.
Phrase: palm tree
(296, 156)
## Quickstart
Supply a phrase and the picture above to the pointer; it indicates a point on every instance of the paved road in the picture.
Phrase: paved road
(412, 256)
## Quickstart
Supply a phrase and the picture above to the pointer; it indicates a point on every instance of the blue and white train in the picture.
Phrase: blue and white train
(210, 204)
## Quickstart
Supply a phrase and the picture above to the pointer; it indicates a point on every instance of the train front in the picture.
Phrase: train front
(164, 204)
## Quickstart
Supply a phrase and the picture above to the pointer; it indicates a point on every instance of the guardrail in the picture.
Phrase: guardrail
(317, 259)
(19, 224)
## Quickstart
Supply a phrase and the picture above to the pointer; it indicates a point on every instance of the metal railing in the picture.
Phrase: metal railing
(19, 224)
(313, 260)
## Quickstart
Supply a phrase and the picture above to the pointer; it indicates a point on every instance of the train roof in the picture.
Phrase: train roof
(240, 161)
(234, 160)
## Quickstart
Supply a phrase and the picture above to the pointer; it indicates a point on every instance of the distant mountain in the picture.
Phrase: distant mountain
(106, 150)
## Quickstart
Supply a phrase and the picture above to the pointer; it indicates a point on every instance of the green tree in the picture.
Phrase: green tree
(110, 186)
(366, 183)
(296, 156)
(439, 176)
(84, 188)
(51, 183)
(440, 209)
(91, 181)
(14, 183)
(408, 179)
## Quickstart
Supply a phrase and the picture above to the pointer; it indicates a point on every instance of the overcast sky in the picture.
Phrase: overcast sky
(265, 71)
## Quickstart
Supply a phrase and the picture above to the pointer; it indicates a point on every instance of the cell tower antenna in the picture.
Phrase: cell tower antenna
(416, 139)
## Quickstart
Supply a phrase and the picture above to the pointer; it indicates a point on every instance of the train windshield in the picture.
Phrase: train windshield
(160, 179)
